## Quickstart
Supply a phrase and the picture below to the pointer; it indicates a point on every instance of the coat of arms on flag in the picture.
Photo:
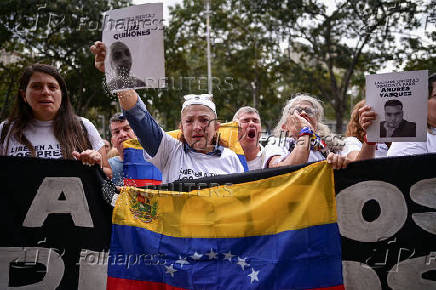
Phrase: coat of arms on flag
(199, 240)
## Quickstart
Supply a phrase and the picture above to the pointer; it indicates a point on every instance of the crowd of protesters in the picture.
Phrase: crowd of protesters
(43, 124)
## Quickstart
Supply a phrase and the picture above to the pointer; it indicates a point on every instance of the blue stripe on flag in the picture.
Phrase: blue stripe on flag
(306, 258)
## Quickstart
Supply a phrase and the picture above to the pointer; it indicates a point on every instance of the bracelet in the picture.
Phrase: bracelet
(316, 143)
(366, 141)
(305, 131)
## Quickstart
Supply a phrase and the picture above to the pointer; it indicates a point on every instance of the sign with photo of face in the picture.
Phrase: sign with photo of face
(400, 102)
(134, 47)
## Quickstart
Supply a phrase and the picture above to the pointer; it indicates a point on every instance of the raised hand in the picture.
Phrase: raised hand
(366, 117)
(295, 123)
(99, 51)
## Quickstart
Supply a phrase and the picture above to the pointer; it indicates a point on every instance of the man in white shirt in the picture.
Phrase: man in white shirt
(249, 132)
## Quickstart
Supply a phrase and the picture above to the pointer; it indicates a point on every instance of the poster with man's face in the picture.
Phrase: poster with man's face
(134, 47)
(400, 102)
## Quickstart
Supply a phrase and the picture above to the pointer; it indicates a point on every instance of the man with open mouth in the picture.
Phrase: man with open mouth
(249, 122)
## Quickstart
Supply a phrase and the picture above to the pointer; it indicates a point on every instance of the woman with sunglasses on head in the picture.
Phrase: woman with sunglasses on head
(197, 155)
(301, 137)
(43, 124)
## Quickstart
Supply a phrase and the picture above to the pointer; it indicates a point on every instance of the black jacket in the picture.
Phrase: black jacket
(406, 129)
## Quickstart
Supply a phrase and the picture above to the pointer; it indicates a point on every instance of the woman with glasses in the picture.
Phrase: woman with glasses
(197, 155)
(300, 137)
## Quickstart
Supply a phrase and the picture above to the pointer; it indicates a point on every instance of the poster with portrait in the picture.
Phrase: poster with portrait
(134, 47)
(400, 101)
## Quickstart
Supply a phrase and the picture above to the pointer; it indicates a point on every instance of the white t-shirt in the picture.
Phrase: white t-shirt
(173, 158)
(257, 162)
(261, 158)
(41, 135)
(353, 144)
(176, 163)
(274, 148)
(414, 148)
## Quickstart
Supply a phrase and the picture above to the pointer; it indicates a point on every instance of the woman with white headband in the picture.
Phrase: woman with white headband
(197, 154)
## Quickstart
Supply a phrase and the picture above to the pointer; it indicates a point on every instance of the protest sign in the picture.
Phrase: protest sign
(400, 101)
(134, 47)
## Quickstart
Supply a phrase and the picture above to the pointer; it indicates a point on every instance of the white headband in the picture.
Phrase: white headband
(203, 99)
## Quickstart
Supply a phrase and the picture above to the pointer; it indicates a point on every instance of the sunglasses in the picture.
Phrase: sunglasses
(309, 111)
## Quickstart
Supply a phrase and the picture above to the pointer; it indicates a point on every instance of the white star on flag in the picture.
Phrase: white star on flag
(253, 275)
(228, 256)
(170, 270)
(242, 263)
(181, 261)
(212, 255)
(196, 256)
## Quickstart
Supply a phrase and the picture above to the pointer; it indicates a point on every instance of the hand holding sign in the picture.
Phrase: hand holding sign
(133, 42)
(99, 51)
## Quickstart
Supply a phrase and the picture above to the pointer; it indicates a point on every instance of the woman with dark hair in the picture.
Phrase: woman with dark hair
(43, 123)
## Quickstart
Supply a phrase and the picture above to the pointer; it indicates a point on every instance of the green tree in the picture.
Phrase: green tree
(423, 57)
(243, 67)
(57, 33)
(336, 42)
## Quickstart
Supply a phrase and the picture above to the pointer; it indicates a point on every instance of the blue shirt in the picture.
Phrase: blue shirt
(117, 170)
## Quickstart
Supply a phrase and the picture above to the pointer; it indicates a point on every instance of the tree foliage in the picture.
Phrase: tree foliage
(243, 68)
(330, 48)
(336, 44)
(57, 33)
(262, 51)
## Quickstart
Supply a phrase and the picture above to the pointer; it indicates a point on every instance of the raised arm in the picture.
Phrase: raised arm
(145, 127)
(300, 154)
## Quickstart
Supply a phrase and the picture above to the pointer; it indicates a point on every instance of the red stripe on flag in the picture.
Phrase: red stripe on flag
(126, 284)
(141, 182)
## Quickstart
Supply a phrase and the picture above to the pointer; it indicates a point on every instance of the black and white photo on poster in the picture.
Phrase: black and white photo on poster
(134, 47)
(400, 102)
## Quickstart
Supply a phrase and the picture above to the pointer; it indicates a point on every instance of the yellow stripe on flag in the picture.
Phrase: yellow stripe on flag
(132, 143)
(290, 201)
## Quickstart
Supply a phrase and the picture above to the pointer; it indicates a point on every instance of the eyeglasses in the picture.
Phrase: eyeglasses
(309, 111)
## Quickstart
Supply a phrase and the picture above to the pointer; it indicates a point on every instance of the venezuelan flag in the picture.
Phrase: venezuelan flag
(137, 171)
(278, 232)
(228, 137)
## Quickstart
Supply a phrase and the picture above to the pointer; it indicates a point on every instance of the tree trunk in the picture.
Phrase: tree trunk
(6, 103)
(339, 108)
